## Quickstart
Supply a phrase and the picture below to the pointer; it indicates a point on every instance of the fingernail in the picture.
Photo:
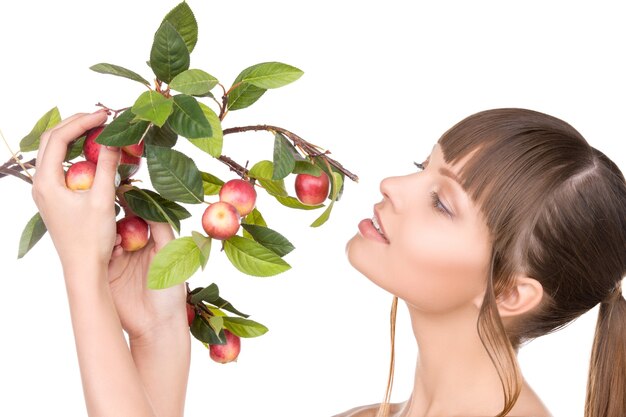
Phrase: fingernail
(113, 148)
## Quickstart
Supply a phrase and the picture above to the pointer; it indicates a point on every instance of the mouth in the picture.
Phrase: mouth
(373, 229)
(378, 226)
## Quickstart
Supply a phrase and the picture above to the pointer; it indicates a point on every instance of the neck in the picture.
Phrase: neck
(454, 374)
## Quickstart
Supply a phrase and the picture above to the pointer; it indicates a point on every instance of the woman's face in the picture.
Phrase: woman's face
(427, 243)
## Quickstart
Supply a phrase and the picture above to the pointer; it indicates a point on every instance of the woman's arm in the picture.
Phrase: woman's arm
(156, 323)
(82, 228)
(111, 382)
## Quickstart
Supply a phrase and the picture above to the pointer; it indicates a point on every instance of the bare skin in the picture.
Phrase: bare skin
(106, 289)
(433, 250)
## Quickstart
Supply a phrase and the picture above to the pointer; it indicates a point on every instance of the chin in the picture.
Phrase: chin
(360, 258)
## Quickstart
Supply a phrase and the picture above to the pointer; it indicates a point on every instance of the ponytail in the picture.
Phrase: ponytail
(606, 388)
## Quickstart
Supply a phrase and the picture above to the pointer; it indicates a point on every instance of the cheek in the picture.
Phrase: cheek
(439, 268)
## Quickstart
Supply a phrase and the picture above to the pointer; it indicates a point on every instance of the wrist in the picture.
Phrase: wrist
(165, 330)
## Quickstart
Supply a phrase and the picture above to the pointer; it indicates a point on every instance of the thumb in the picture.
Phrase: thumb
(108, 160)
(161, 234)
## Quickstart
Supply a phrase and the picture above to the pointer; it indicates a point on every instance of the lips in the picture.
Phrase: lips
(372, 229)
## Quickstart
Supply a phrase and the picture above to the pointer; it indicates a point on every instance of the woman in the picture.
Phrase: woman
(515, 227)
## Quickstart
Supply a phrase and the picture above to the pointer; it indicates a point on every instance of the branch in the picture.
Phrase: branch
(234, 166)
(16, 173)
(308, 148)
(15, 167)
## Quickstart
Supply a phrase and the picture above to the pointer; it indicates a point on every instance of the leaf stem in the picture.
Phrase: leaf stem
(224, 105)
(110, 110)
(308, 148)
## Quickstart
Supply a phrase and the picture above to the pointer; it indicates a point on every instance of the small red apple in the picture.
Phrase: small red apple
(91, 149)
(130, 160)
(191, 313)
(80, 175)
(228, 352)
(134, 232)
(220, 220)
(134, 150)
(129, 165)
(312, 190)
(241, 194)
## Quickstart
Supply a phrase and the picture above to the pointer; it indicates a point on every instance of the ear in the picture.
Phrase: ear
(525, 295)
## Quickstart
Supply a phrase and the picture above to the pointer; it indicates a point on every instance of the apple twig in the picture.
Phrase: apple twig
(110, 110)
(308, 148)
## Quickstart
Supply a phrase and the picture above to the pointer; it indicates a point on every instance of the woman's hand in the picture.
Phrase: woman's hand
(81, 223)
(143, 311)
(155, 321)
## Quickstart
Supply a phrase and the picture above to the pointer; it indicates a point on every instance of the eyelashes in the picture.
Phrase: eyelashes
(434, 197)
(438, 205)
(419, 166)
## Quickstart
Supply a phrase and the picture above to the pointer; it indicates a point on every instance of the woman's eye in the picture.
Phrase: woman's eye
(419, 166)
(438, 205)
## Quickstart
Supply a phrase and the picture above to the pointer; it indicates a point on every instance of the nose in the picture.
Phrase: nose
(391, 188)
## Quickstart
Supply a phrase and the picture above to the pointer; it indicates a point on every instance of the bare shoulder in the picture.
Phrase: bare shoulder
(367, 411)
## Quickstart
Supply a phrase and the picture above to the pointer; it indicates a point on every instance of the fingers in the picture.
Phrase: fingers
(108, 160)
(43, 141)
(161, 234)
(54, 144)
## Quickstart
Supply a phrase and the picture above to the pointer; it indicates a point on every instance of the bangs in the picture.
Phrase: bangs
(511, 162)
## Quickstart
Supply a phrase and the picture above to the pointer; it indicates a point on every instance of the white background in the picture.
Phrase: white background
(383, 80)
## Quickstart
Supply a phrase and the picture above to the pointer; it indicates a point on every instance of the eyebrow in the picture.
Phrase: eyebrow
(447, 173)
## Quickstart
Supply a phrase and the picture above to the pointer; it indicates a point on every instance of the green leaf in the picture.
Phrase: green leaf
(174, 263)
(193, 82)
(122, 131)
(213, 143)
(254, 217)
(242, 94)
(30, 142)
(74, 149)
(182, 19)
(169, 55)
(294, 203)
(244, 327)
(269, 238)
(284, 159)
(306, 167)
(188, 119)
(153, 107)
(116, 70)
(174, 175)
(253, 258)
(204, 244)
(151, 206)
(201, 330)
(225, 305)
(263, 171)
(253, 81)
(217, 323)
(34, 230)
(216, 311)
(161, 136)
(211, 184)
(208, 294)
(270, 75)
(337, 183)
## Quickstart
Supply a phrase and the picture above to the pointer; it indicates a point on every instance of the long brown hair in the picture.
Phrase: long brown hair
(556, 211)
